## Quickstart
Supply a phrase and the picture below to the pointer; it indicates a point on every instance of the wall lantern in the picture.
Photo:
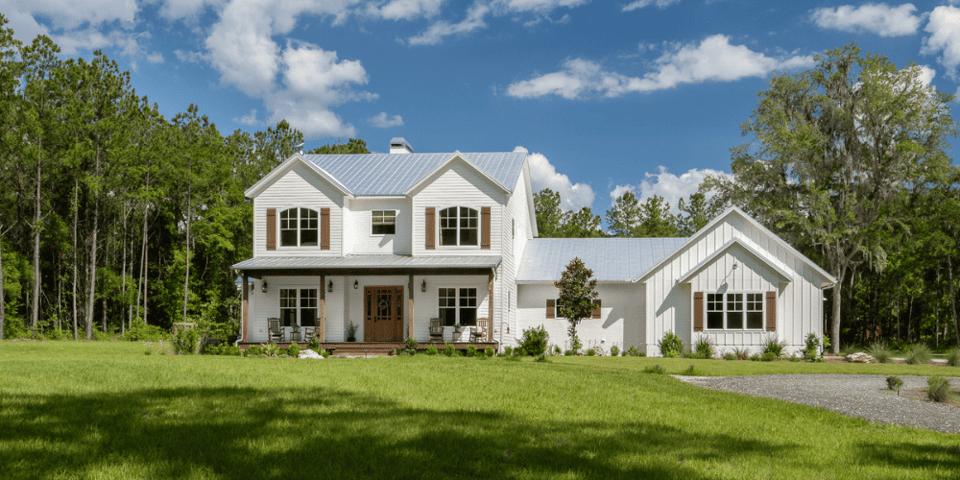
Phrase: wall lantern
(736, 265)
(330, 286)
(264, 287)
(356, 284)
(423, 286)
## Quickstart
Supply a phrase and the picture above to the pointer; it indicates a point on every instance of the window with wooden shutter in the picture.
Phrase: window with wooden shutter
(596, 309)
(324, 229)
(771, 311)
(430, 228)
(485, 228)
(551, 308)
(698, 311)
(271, 229)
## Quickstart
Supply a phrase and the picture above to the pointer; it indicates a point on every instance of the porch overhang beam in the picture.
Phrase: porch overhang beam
(356, 272)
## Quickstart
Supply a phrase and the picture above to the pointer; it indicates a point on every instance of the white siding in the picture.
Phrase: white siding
(266, 305)
(358, 227)
(298, 187)
(517, 231)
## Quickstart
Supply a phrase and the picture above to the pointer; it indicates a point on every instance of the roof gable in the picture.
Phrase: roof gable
(285, 168)
(784, 275)
(456, 157)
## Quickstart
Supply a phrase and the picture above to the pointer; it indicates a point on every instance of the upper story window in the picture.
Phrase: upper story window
(459, 226)
(299, 227)
(384, 222)
(735, 311)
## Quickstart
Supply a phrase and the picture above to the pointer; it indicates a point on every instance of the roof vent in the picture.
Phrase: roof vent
(399, 145)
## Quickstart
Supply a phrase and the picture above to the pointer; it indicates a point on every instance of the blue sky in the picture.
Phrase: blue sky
(606, 97)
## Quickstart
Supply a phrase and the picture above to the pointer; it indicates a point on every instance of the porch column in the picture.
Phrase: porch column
(244, 314)
(490, 323)
(322, 327)
(410, 314)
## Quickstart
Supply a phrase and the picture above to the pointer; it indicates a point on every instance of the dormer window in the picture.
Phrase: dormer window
(459, 226)
(299, 227)
(384, 222)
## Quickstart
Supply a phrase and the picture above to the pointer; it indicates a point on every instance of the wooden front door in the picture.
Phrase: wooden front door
(383, 314)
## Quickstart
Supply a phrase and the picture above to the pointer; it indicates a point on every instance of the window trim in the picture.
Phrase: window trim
(299, 229)
(457, 304)
(709, 301)
(439, 227)
(298, 306)
(373, 216)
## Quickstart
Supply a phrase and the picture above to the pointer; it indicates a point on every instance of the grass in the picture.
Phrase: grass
(106, 410)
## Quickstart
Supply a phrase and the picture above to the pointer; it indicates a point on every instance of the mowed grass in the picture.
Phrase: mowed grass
(106, 410)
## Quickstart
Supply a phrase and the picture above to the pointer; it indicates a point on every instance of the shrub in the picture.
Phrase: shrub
(542, 358)
(894, 383)
(704, 347)
(691, 370)
(768, 357)
(489, 351)
(591, 352)
(919, 354)
(850, 349)
(141, 332)
(514, 358)
(953, 357)
(772, 344)
(938, 389)
(293, 350)
(557, 350)
(449, 350)
(314, 343)
(729, 356)
(671, 346)
(880, 351)
(813, 346)
(754, 358)
(56, 334)
(471, 350)
(507, 351)
(569, 353)
(186, 342)
(255, 351)
(432, 350)
(534, 340)
(741, 353)
(794, 358)
(634, 352)
(271, 349)
(410, 346)
(614, 351)
(657, 369)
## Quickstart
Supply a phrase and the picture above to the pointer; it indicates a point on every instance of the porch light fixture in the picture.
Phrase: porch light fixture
(330, 286)
(736, 265)
(423, 286)
(264, 287)
(356, 284)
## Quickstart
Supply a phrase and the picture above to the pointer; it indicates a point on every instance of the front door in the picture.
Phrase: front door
(383, 314)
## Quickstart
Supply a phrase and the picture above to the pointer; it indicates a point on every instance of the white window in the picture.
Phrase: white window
(459, 226)
(298, 307)
(299, 227)
(735, 311)
(458, 306)
(384, 222)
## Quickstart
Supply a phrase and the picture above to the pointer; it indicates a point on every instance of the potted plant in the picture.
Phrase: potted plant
(458, 328)
(351, 332)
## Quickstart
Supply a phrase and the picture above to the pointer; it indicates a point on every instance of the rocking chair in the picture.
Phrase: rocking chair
(436, 330)
(274, 332)
(479, 333)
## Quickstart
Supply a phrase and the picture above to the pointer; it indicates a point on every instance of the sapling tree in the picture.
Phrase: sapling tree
(577, 293)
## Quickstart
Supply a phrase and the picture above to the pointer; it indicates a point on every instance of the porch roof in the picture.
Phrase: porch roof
(371, 261)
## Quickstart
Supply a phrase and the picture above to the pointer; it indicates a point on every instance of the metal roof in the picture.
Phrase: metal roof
(371, 261)
(394, 174)
(611, 259)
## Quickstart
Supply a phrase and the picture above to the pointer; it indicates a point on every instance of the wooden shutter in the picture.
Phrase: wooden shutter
(697, 311)
(596, 308)
(430, 228)
(485, 228)
(324, 229)
(271, 229)
(771, 311)
(551, 308)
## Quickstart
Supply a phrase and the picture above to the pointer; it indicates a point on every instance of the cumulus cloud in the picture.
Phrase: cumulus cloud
(880, 19)
(573, 196)
(190, 57)
(714, 59)
(382, 121)
(72, 41)
(646, 3)
(76, 24)
(404, 9)
(944, 38)
(670, 186)
(250, 119)
(155, 58)
(189, 10)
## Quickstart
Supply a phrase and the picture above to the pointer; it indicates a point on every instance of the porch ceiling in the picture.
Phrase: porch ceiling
(372, 263)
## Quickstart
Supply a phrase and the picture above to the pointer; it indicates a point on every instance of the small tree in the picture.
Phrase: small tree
(576, 296)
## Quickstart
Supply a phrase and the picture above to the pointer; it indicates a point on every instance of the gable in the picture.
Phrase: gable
(463, 168)
(456, 182)
(738, 267)
(309, 172)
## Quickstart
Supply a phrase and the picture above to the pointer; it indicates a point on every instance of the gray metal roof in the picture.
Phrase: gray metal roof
(371, 261)
(611, 259)
(394, 174)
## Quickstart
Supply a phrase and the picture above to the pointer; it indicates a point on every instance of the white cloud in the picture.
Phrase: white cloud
(73, 14)
(435, 33)
(573, 196)
(714, 59)
(404, 9)
(155, 58)
(71, 41)
(191, 57)
(646, 3)
(250, 119)
(537, 6)
(382, 121)
(667, 185)
(187, 9)
(944, 38)
(926, 75)
(880, 19)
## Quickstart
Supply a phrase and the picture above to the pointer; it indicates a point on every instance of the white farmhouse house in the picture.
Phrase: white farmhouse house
(395, 243)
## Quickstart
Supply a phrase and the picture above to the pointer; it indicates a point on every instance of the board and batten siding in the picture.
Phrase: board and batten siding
(358, 224)
(670, 305)
(298, 187)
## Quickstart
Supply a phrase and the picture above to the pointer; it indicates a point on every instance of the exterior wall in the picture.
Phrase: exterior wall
(266, 305)
(517, 230)
(670, 305)
(620, 313)
(299, 187)
(358, 226)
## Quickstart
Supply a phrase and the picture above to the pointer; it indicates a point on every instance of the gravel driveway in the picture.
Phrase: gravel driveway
(864, 396)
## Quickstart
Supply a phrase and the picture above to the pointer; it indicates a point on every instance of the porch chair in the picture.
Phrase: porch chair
(436, 330)
(308, 333)
(479, 333)
(274, 332)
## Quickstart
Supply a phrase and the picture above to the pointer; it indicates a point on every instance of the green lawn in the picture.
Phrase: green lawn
(106, 410)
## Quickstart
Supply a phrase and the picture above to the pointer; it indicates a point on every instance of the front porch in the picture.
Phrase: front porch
(376, 349)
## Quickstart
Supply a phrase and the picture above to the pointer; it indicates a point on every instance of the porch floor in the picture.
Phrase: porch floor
(377, 348)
